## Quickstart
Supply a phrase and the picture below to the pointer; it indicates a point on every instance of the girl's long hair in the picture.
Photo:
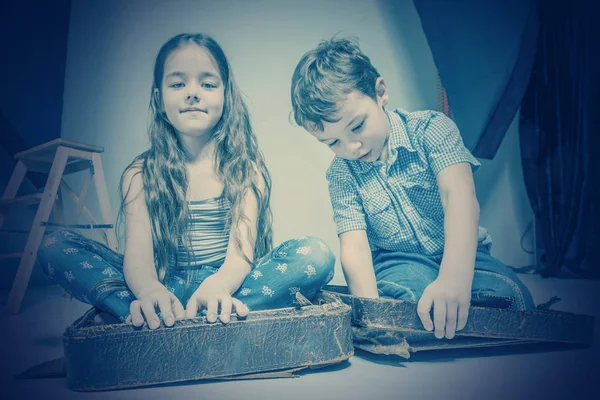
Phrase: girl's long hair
(239, 165)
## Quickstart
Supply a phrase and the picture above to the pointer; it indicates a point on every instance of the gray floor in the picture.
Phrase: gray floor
(34, 336)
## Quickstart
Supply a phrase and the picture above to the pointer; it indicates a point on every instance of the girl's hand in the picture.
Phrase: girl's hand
(156, 297)
(451, 299)
(212, 293)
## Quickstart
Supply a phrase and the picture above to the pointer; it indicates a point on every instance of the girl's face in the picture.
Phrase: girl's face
(192, 91)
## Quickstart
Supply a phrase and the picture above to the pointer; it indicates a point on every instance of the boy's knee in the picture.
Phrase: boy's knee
(497, 286)
(398, 291)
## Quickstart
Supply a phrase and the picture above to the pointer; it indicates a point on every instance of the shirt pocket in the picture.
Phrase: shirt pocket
(381, 216)
(421, 189)
(421, 179)
(414, 173)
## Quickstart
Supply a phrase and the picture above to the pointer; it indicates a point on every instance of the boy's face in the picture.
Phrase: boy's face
(363, 130)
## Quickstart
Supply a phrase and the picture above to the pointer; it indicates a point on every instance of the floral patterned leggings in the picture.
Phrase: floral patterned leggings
(93, 273)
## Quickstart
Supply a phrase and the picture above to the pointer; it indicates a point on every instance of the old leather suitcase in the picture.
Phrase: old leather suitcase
(100, 357)
(386, 326)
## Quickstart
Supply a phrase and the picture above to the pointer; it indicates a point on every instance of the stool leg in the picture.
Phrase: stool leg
(34, 240)
(13, 185)
(105, 208)
(58, 210)
(81, 199)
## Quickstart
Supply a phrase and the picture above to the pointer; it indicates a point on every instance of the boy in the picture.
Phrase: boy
(402, 192)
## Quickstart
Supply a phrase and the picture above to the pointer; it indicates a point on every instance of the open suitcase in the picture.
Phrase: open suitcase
(387, 326)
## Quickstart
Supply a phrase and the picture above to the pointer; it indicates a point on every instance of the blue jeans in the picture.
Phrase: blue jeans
(404, 276)
(93, 273)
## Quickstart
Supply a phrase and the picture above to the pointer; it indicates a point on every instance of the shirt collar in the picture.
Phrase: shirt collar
(398, 138)
(398, 133)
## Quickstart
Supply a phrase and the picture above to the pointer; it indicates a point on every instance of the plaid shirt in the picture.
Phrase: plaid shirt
(398, 202)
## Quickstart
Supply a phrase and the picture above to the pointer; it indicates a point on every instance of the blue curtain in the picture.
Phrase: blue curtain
(559, 134)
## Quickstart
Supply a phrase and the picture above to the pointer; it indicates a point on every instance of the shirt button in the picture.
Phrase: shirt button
(427, 185)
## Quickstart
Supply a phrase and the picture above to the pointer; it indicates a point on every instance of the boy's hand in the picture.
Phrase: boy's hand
(212, 293)
(451, 299)
(155, 297)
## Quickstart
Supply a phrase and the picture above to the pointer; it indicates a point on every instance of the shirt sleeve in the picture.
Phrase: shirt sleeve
(443, 144)
(348, 213)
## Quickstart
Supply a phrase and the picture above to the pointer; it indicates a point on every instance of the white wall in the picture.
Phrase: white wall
(505, 208)
(113, 43)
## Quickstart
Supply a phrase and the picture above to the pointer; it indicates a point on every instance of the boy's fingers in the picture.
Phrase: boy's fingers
(423, 310)
(150, 314)
(439, 317)
(451, 315)
(463, 316)
(240, 308)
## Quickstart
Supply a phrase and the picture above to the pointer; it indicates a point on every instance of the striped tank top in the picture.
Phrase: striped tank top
(208, 234)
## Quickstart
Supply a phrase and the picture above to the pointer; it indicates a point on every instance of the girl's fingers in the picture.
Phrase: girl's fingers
(191, 309)
(212, 309)
(136, 313)
(178, 309)
(240, 308)
(164, 305)
(226, 304)
(150, 314)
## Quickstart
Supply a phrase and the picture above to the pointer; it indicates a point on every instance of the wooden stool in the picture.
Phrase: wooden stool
(56, 158)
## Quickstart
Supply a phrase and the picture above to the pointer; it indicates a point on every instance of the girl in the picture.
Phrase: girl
(196, 208)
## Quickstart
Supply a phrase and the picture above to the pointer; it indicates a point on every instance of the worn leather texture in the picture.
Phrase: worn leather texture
(101, 357)
(387, 326)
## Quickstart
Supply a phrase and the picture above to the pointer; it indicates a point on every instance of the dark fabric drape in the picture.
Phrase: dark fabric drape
(559, 139)
(484, 53)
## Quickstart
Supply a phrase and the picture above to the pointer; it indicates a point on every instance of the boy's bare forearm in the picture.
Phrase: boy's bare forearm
(357, 264)
(461, 222)
(360, 278)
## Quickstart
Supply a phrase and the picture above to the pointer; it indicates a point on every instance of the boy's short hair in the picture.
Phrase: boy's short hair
(325, 76)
